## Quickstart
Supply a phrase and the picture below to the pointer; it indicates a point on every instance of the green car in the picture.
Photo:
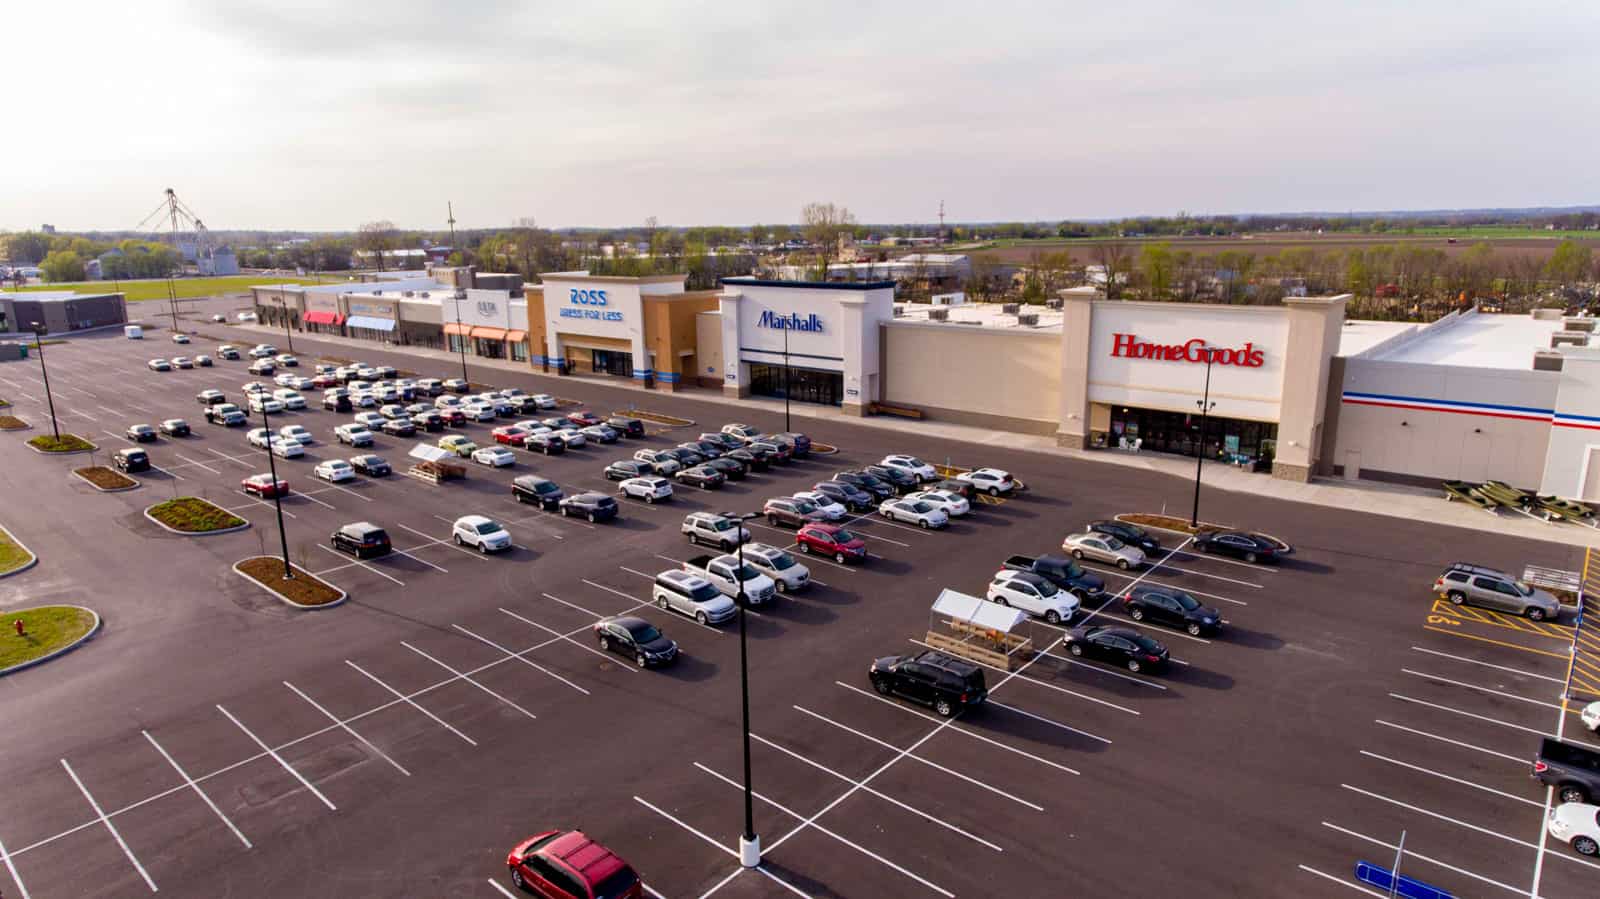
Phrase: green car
(457, 444)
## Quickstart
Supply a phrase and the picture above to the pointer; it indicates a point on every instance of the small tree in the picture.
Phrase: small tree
(62, 265)
(377, 239)
(1115, 261)
(823, 225)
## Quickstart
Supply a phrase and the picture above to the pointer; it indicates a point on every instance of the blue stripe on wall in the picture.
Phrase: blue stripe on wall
(1423, 399)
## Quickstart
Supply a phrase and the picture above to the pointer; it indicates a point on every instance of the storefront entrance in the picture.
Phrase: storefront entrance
(611, 362)
(1177, 432)
(806, 385)
(489, 349)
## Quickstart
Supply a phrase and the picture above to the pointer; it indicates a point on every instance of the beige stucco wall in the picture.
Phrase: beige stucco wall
(708, 349)
(1415, 443)
(1002, 376)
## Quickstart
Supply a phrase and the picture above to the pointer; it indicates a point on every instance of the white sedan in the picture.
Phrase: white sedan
(911, 465)
(1103, 548)
(259, 436)
(647, 489)
(479, 412)
(1591, 717)
(287, 449)
(159, 365)
(833, 511)
(1578, 825)
(334, 470)
(921, 514)
(494, 456)
(544, 401)
(992, 481)
(1032, 594)
(572, 439)
(180, 338)
(953, 504)
(297, 433)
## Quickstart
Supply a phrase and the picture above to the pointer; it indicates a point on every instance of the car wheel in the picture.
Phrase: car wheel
(1077, 554)
(772, 520)
(924, 523)
(805, 548)
(519, 498)
(1134, 666)
(605, 643)
(1123, 564)
(1572, 793)
(662, 602)
(649, 499)
(1000, 601)
(639, 660)
(591, 518)
(944, 708)
(483, 548)
(839, 557)
(1534, 613)
(782, 587)
(1053, 617)
(1136, 614)
(517, 881)
(700, 617)
(1075, 649)
(566, 512)
(1250, 557)
(881, 685)
(456, 538)
(1457, 597)
(1585, 846)
(1193, 629)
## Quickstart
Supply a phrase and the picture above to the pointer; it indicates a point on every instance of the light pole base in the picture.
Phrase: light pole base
(750, 851)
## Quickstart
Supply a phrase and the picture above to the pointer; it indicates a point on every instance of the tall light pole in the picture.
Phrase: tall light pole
(40, 329)
(277, 494)
(462, 336)
(1206, 406)
(749, 843)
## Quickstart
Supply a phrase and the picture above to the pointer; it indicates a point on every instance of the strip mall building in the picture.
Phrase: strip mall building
(1295, 390)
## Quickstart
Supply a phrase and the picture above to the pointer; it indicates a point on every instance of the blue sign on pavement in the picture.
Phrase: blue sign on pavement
(1384, 879)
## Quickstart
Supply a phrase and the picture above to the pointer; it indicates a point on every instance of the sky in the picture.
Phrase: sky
(283, 114)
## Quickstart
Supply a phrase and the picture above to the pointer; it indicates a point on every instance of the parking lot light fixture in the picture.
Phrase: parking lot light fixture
(461, 336)
(40, 330)
(277, 495)
(749, 843)
(1206, 405)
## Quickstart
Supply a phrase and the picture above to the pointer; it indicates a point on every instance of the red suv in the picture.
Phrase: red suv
(831, 540)
(566, 864)
(264, 486)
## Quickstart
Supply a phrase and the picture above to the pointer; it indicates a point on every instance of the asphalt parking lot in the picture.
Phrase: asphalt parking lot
(214, 742)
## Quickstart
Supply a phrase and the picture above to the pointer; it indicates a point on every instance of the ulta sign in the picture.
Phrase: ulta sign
(1129, 346)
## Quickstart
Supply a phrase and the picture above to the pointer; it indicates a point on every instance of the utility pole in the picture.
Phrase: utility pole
(1205, 405)
(40, 329)
(283, 309)
(451, 207)
(941, 224)
(749, 843)
(786, 425)
(461, 335)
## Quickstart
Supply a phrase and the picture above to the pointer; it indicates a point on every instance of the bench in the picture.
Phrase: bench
(902, 411)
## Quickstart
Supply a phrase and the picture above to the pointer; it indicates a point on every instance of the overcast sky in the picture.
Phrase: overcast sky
(322, 115)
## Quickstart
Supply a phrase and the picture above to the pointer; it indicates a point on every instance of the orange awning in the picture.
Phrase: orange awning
(488, 333)
(455, 328)
(516, 336)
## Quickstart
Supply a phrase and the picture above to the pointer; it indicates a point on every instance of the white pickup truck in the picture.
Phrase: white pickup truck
(727, 574)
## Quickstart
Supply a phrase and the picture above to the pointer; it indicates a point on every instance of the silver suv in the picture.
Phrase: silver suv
(1490, 588)
(717, 530)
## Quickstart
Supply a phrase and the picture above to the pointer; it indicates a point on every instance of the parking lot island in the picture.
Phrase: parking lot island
(303, 591)
(63, 445)
(46, 632)
(14, 557)
(12, 423)
(105, 480)
(191, 515)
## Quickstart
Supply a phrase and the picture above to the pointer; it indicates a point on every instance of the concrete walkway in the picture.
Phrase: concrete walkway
(1362, 496)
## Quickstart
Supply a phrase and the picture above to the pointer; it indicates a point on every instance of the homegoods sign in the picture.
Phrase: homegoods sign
(1129, 346)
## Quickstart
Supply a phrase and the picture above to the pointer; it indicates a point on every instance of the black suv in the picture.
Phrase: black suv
(623, 469)
(848, 495)
(879, 488)
(534, 489)
(1572, 769)
(370, 465)
(628, 427)
(362, 539)
(131, 459)
(932, 678)
(902, 481)
(749, 459)
(593, 506)
(1133, 535)
(1171, 606)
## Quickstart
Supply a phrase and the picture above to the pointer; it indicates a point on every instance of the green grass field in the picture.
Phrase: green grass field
(186, 288)
(46, 629)
(12, 555)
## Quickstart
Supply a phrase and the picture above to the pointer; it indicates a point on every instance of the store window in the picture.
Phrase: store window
(612, 362)
(1229, 439)
(489, 349)
(519, 351)
(458, 342)
(804, 385)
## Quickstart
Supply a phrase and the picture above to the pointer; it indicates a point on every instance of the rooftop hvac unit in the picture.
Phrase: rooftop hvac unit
(377, 293)
(424, 294)
(1578, 323)
(409, 293)
(1028, 319)
(1010, 308)
(938, 314)
(1569, 338)
(1054, 303)
(899, 311)
(1545, 360)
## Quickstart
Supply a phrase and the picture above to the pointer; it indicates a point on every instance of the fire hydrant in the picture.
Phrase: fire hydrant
(22, 629)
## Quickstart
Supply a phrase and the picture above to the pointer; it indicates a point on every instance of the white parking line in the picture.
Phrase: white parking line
(520, 658)
(1445, 708)
(197, 464)
(1435, 652)
(469, 680)
(573, 605)
(15, 877)
(347, 728)
(1262, 569)
(1041, 718)
(1460, 823)
(1046, 684)
(588, 649)
(82, 414)
(823, 830)
(360, 562)
(234, 459)
(408, 554)
(309, 497)
(345, 490)
(500, 889)
(196, 787)
(279, 759)
(171, 474)
(1102, 670)
(1340, 881)
(1125, 575)
(1502, 693)
(109, 826)
(649, 577)
(1422, 733)
(448, 542)
(411, 702)
(916, 758)
(1466, 783)
(1419, 856)
(960, 730)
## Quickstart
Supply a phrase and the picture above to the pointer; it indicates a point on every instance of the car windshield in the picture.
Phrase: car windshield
(921, 507)
(546, 487)
(722, 524)
(644, 632)
(1146, 644)
(1188, 602)
(746, 573)
(1112, 542)
(781, 561)
(804, 507)
(1046, 588)
(914, 461)
(843, 536)
(1524, 589)
(704, 593)
(487, 527)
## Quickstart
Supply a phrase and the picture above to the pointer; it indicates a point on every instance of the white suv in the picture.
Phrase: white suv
(1032, 594)
(692, 595)
(775, 563)
(717, 530)
(484, 533)
(647, 489)
(911, 465)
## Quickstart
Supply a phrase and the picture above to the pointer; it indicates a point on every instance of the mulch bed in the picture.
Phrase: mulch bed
(11, 423)
(105, 478)
(670, 421)
(68, 443)
(193, 515)
(304, 589)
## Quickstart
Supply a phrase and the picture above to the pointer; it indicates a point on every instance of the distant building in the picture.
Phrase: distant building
(223, 261)
(61, 311)
(47, 229)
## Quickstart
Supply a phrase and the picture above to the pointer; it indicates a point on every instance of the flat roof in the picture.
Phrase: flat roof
(1477, 340)
(1358, 336)
(811, 285)
(985, 315)
(54, 296)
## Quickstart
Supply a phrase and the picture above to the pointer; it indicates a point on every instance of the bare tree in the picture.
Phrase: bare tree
(1116, 261)
(824, 225)
(377, 238)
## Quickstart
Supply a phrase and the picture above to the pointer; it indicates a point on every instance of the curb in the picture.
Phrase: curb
(1205, 525)
(286, 600)
(94, 631)
(135, 486)
(172, 530)
(78, 452)
(827, 449)
(26, 565)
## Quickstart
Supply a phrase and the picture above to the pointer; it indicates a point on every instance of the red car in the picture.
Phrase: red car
(583, 419)
(511, 434)
(453, 417)
(324, 381)
(262, 485)
(566, 864)
(831, 540)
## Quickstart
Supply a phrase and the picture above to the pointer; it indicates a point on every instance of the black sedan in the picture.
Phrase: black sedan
(370, 465)
(543, 492)
(750, 460)
(1251, 548)
(175, 427)
(1118, 645)
(399, 427)
(705, 448)
(593, 506)
(1133, 535)
(702, 476)
(630, 427)
(1173, 607)
(731, 469)
(902, 481)
(635, 638)
(141, 433)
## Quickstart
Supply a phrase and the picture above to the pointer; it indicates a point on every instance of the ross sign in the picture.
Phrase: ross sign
(580, 297)
(790, 322)
(1129, 346)
(488, 307)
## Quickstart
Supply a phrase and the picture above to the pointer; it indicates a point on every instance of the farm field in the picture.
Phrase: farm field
(187, 288)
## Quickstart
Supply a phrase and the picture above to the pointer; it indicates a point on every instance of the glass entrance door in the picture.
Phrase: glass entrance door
(805, 385)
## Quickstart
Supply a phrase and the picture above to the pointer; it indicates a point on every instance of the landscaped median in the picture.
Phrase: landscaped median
(1179, 525)
(47, 631)
(192, 515)
(303, 591)
(105, 480)
(66, 443)
(671, 421)
(14, 557)
(12, 423)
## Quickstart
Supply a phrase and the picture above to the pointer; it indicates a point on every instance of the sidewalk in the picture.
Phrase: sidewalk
(1372, 497)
